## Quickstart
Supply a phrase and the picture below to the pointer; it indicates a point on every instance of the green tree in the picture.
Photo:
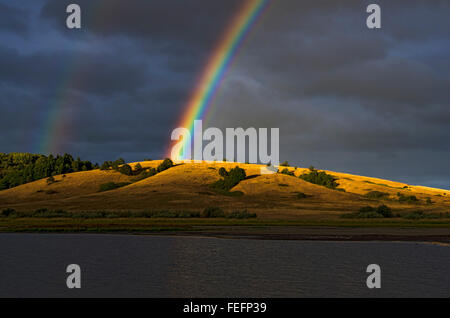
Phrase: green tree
(166, 164)
(223, 172)
(137, 168)
(126, 170)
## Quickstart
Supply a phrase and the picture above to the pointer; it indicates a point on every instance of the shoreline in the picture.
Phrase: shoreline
(287, 233)
(290, 233)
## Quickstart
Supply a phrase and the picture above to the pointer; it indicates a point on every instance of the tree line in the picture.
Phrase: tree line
(20, 168)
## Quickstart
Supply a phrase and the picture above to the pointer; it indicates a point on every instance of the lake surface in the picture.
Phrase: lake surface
(34, 265)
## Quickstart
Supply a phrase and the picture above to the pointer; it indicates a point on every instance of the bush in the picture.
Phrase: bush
(126, 170)
(301, 195)
(284, 164)
(366, 209)
(112, 185)
(145, 174)
(138, 168)
(320, 178)
(166, 164)
(385, 211)
(120, 161)
(8, 212)
(213, 212)
(287, 172)
(407, 198)
(241, 215)
(223, 172)
(362, 215)
(235, 175)
(415, 215)
(106, 165)
(368, 212)
(378, 195)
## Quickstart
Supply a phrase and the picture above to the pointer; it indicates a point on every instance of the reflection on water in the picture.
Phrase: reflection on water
(149, 266)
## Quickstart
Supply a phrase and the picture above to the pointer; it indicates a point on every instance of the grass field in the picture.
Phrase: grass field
(275, 199)
(194, 224)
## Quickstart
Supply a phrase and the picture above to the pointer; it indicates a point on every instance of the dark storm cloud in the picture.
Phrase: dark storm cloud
(174, 23)
(390, 79)
(13, 20)
(89, 72)
(373, 102)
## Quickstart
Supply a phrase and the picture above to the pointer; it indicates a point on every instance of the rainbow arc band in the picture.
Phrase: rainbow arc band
(219, 63)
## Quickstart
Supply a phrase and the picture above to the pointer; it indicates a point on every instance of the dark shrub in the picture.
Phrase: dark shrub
(112, 185)
(138, 168)
(415, 215)
(284, 164)
(213, 212)
(385, 211)
(120, 161)
(223, 172)
(106, 165)
(376, 195)
(235, 175)
(407, 198)
(320, 178)
(8, 212)
(166, 164)
(367, 208)
(301, 195)
(145, 174)
(126, 170)
(362, 215)
(368, 212)
(241, 215)
(287, 172)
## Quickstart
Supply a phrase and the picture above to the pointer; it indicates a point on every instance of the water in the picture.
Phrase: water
(33, 265)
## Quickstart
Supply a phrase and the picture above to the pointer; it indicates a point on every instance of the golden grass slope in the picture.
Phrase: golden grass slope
(186, 187)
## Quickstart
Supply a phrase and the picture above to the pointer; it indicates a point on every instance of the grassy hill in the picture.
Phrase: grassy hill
(186, 186)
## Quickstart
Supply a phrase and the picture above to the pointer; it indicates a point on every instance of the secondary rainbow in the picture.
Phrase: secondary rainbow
(220, 62)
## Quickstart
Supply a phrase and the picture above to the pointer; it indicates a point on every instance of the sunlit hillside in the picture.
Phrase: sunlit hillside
(186, 186)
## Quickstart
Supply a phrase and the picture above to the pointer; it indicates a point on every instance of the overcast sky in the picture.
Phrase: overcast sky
(346, 98)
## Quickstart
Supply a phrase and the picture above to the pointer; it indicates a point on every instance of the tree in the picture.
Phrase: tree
(223, 172)
(320, 178)
(287, 172)
(234, 176)
(137, 168)
(385, 211)
(126, 170)
(120, 161)
(105, 165)
(166, 164)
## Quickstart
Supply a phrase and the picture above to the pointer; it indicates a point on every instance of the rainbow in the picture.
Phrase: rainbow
(55, 119)
(219, 63)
